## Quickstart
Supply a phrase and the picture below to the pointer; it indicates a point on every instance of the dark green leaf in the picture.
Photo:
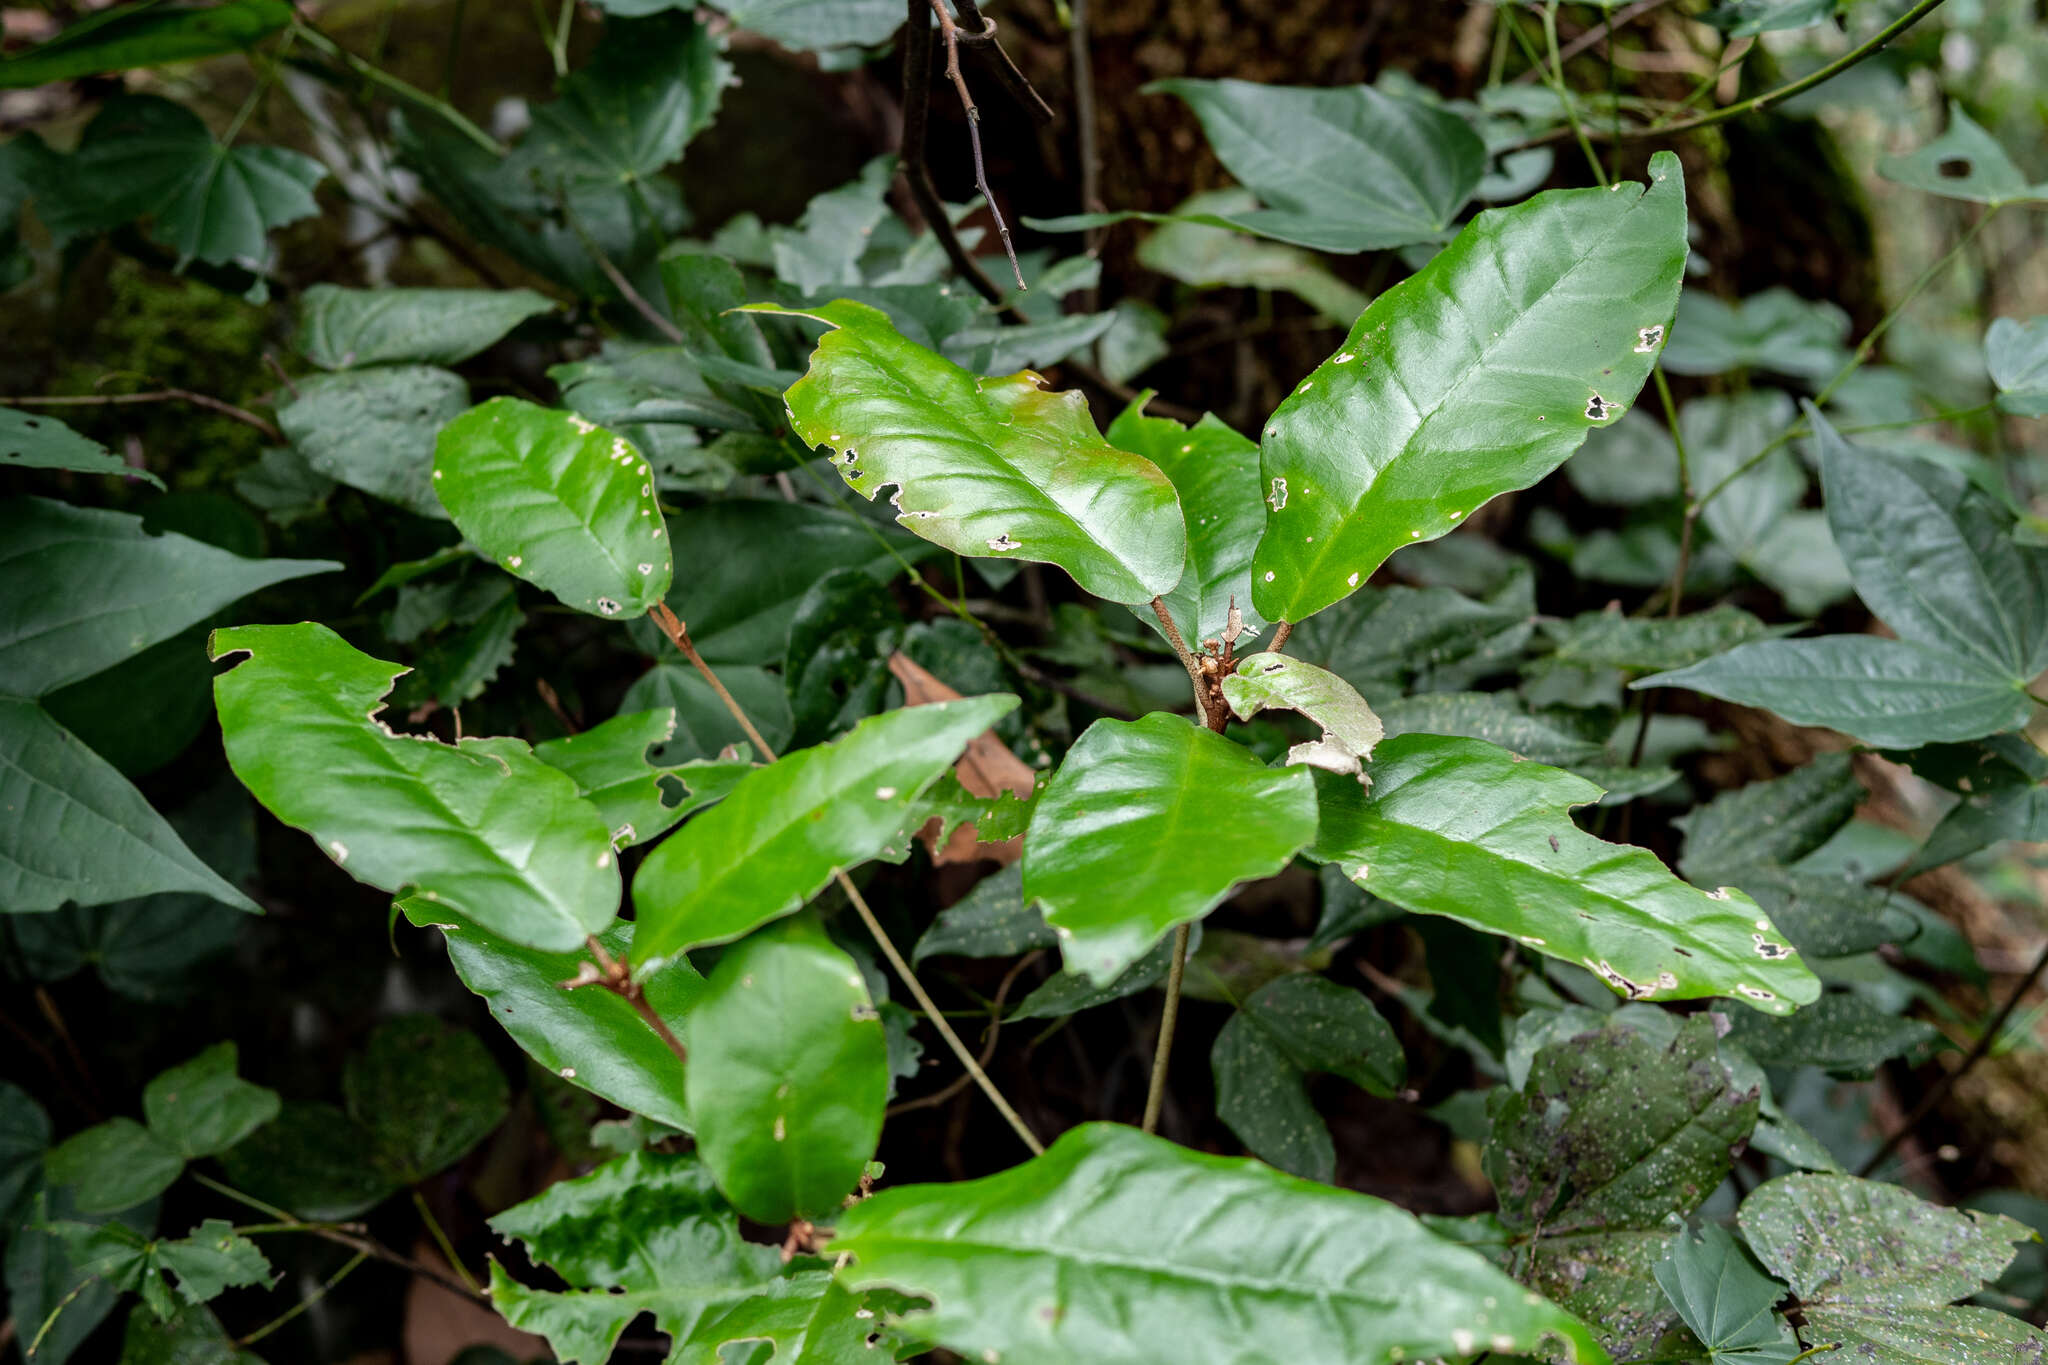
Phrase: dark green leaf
(33, 441)
(46, 1288)
(424, 1093)
(203, 1108)
(113, 1166)
(193, 1337)
(345, 329)
(992, 920)
(1626, 463)
(24, 1134)
(1608, 639)
(1070, 992)
(145, 35)
(312, 1159)
(704, 728)
(1842, 1034)
(1779, 821)
(374, 429)
(1775, 330)
(1727, 1302)
(836, 668)
(208, 1262)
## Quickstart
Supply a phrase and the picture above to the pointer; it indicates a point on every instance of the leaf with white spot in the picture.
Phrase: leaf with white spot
(1282, 682)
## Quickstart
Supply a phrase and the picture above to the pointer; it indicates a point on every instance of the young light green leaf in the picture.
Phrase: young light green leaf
(1963, 163)
(1149, 824)
(82, 589)
(425, 1093)
(33, 441)
(2016, 354)
(112, 1166)
(1285, 1032)
(76, 831)
(782, 831)
(481, 828)
(346, 329)
(1115, 1244)
(1728, 1303)
(1282, 682)
(1461, 828)
(985, 466)
(789, 1073)
(129, 37)
(1216, 473)
(203, 1108)
(1477, 375)
(639, 799)
(374, 429)
(558, 501)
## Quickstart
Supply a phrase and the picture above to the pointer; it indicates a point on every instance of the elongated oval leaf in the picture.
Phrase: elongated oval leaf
(638, 799)
(483, 828)
(144, 35)
(1350, 729)
(81, 589)
(33, 441)
(782, 832)
(985, 466)
(1478, 374)
(1462, 828)
(789, 1073)
(1152, 823)
(342, 329)
(1124, 1249)
(557, 500)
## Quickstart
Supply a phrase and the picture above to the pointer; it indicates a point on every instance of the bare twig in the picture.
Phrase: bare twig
(679, 636)
(225, 409)
(1083, 63)
(329, 1232)
(1280, 634)
(1169, 1015)
(981, 33)
(616, 976)
(1619, 19)
(950, 32)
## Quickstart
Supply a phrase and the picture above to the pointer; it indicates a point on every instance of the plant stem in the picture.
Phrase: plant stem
(1280, 634)
(1565, 96)
(679, 635)
(220, 406)
(347, 1268)
(411, 94)
(950, 31)
(440, 1236)
(331, 1233)
(1187, 661)
(1169, 1015)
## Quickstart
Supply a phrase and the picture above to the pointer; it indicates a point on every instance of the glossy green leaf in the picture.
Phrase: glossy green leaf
(75, 831)
(312, 1159)
(638, 799)
(805, 1318)
(1728, 1303)
(145, 35)
(1477, 375)
(1340, 169)
(789, 1073)
(1116, 1246)
(374, 429)
(1878, 1283)
(482, 828)
(113, 1166)
(1608, 639)
(82, 589)
(1282, 682)
(1773, 330)
(346, 329)
(425, 1094)
(203, 1108)
(1285, 1032)
(1461, 828)
(1215, 471)
(1150, 824)
(992, 920)
(34, 441)
(704, 728)
(2015, 353)
(558, 501)
(782, 831)
(1963, 163)
(1887, 693)
(986, 466)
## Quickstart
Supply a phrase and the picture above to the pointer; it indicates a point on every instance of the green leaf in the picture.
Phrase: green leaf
(346, 329)
(46, 1287)
(193, 1336)
(985, 466)
(806, 1318)
(704, 728)
(1476, 375)
(1935, 557)
(145, 35)
(208, 1262)
(1342, 169)
(645, 1233)
(76, 831)
(836, 668)
(782, 831)
(482, 828)
(1963, 163)
(1070, 992)
(1728, 1303)
(1215, 471)
(312, 1159)
(1461, 828)
(1879, 1281)
(789, 1073)
(992, 920)
(2016, 354)
(85, 589)
(113, 1166)
(32, 441)
(806, 25)
(558, 501)
(612, 772)
(1608, 639)
(374, 429)
(1281, 682)
(1887, 693)
(284, 486)
(1199, 245)
(1400, 639)
(1778, 821)
(1150, 824)
(1774, 330)
(424, 1093)
(1844, 1035)
(24, 1135)
(1114, 1236)
(589, 1036)
(203, 1108)
(1627, 463)
(1285, 1032)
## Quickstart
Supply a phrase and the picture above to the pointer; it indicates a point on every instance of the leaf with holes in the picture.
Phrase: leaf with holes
(558, 501)
(1476, 375)
(482, 828)
(1461, 828)
(1281, 682)
(33, 441)
(1150, 824)
(985, 466)
(1963, 163)
(640, 800)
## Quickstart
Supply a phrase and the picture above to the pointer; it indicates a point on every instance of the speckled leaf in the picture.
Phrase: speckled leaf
(782, 831)
(425, 1093)
(1844, 1035)
(1963, 163)
(1459, 827)
(1476, 375)
(986, 466)
(1215, 470)
(1285, 1032)
(992, 920)
(482, 828)
(203, 1108)
(789, 1073)
(1875, 1268)
(1779, 821)
(640, 799)
(36, 441)
(558, 501)
(1281, 682)
(343, 329)
(1152, 823)
(374, 429)
(1727, 1302)
(1123, 1249)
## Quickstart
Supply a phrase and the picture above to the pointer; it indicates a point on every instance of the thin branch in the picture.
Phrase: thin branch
(1083, 63)
(220, 406)
(347, 1268)
(1007, 73)
(1169, 1015)
(314, 38)
(1280, 634)
(1620, 19)
(616, 976)
(326, 1232)
(1187, 660)
(679, 636)
(988, 1044)
(950, 31)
